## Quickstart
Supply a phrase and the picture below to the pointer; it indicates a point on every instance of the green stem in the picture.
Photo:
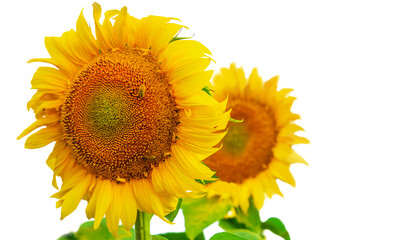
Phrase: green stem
(142, 226)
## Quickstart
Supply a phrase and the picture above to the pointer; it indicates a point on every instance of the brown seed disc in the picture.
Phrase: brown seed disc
(119, 116)
(247, 149)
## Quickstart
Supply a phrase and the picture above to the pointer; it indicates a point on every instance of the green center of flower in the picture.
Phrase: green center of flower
(108, 112)
(235, 141)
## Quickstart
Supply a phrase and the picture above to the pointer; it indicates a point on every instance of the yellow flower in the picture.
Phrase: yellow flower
(128, 115)
(259, 150)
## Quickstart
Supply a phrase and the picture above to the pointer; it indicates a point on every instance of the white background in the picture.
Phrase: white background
(337, 55)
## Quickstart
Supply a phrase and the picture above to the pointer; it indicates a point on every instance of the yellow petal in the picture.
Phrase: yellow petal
(57, 149)
(269, 91)
(281, 171)
(269, 183)
(258, 195)
(192, 167)
(230, 81)
(119, 28)
(243, 198)
(293, 139)
(129, 209)
(73, 197)
(163, 37)
(104, 199)
(285, 153)
(69, 183)
(85, 35)
(283, 113)
(147, 30)
(187, 69)
(147, 198)
(179, 54)
(48, 120)
(60, 55)
(62, 163)
(204, 139)
(280, 98)
(168, 202)
(113, 214)
(49, 78)
(191, 84)
(92, 204)
(254, 86)
(43, 137)
(102, 37)
(44, 106)
(206, 118)
(167, 179)
(240, 79)
(75, 48)
(290, 129)
(43, 95)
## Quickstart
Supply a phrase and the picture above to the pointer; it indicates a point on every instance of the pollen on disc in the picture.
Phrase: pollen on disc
(119, 115)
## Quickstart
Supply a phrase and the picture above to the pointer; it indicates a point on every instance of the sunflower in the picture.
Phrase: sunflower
(258, 150)
(128, 114)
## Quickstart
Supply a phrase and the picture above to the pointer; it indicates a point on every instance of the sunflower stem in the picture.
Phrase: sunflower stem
(142, 226)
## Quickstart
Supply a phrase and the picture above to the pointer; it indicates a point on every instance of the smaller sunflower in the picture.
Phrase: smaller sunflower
(259, 150)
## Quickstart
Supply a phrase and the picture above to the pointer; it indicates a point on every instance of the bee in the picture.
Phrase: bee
(142, 90)
(149, 157)
(174, 137)
(119, 179)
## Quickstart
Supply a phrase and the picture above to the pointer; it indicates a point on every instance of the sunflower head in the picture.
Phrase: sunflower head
(120, 107)
(257, 150)
(127, 112)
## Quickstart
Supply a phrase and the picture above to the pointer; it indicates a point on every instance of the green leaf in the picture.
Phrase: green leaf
(207, 90)
(172, 215)
(251, 219)
(247, 234)
(179, 38)
(181, 236)
(201, 236)
(235, 120)
(200, 213)
(239, 234)
(126, 235)
(276, 226)
(86, 232)
(176, 38)
(230, 224)
(226, 236)
(205, 182)
(158, 237)
(68, 236)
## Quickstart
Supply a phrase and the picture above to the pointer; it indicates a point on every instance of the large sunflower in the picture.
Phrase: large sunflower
(128, 115)
(259, 150)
